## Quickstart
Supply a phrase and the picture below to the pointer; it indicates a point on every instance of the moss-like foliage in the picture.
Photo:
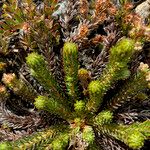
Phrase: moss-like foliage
(84, 87)
(70, 61)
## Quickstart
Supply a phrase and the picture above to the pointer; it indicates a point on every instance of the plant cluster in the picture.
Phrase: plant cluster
(74, 75)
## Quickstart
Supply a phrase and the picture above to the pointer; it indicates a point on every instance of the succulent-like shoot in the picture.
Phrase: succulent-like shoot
(5, 145)
(36, 140)
(19, 86)
(84, 77)
(60, 143)
(136, 140)
(70, 62)
(94, 89)
(79, 107)
(83, 74)
(141, 131)
(36, 62)
(88, 134)
(144, 128)
(52, 106)
(39, 70)
(116, 69)
(104, 117)
(122, 51)
(132, 135)
(132, 88)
